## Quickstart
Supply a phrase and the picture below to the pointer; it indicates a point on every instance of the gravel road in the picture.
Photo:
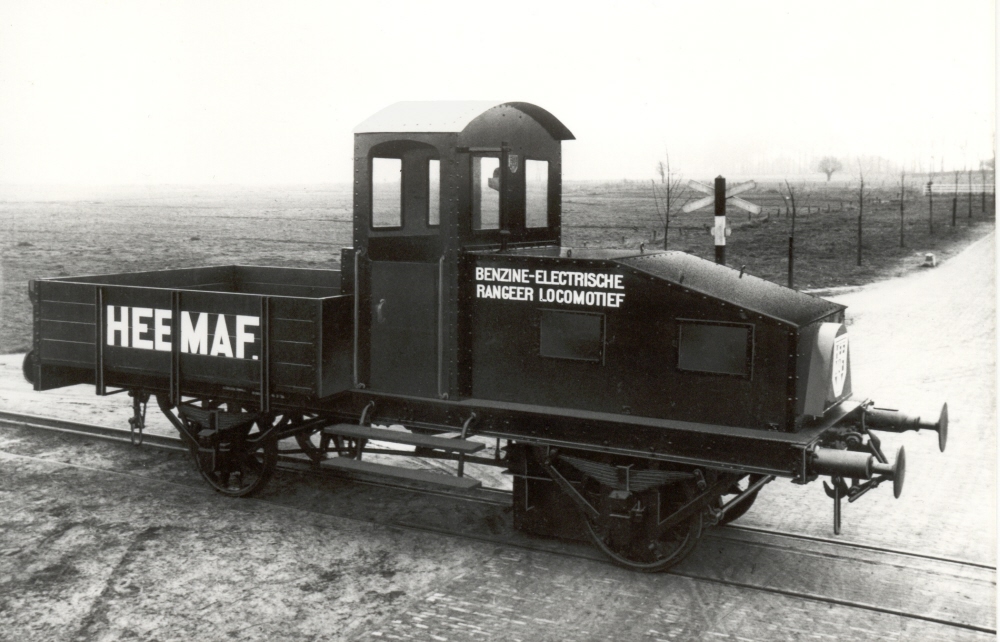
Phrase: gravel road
(917, 342)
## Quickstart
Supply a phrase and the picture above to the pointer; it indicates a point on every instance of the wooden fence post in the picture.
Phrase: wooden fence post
(970, 193)
(930, 204)
(954, 201)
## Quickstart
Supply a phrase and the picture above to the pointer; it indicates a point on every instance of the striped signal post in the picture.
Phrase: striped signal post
(718, 195)
(720, 220)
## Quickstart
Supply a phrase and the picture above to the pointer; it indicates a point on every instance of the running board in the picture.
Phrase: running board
(463, 446)
(382, 470)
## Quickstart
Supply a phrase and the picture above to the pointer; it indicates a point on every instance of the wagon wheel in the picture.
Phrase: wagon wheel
(739, 510)
(239, 461)
(315, 444)
(28, 367)
(318, 446)
(632, 542)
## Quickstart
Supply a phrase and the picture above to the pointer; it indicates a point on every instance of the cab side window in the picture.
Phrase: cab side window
(433, 192)
(578, 336)
(536, 193)
(715, 347)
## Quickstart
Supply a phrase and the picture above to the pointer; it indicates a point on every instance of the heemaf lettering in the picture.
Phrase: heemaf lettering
(154, 329)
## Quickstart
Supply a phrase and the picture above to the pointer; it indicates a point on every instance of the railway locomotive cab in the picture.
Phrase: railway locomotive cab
(640, 396)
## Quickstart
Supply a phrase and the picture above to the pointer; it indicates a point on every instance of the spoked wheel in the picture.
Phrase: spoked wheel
(739, 510)
(236, 459)
(314, 443)
(626, 530)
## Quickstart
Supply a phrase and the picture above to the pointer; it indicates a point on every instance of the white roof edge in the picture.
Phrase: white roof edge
(450, 116)
(425, 116)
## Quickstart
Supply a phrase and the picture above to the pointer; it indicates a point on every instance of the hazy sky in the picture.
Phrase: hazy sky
(253, 92)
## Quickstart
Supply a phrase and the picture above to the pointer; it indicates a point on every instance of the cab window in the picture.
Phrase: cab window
(536, 193)
(387, 192)
(433, 192)
(485, 193)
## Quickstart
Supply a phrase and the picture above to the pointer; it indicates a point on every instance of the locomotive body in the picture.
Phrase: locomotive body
(641, 394)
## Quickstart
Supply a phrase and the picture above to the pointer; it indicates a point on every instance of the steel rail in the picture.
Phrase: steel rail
(588, 554)
(597, 557)
(864, 547)
(286, 463)
(499, 497)
(122, 436)
(89, 430)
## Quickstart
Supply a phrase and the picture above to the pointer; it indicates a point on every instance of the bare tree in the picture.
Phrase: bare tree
(828, 165)
(954, 202)
(669, 193)
(982, 174)
(930, 198)
(861, 207)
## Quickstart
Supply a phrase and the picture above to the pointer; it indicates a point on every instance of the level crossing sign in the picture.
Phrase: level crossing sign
(719, 195)
(731, 193)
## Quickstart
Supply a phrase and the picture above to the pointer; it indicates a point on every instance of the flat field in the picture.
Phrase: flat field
(47, 231)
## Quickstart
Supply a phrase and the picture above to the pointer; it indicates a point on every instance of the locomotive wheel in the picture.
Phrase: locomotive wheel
(739, 510)
(238, 462)
(632, 543)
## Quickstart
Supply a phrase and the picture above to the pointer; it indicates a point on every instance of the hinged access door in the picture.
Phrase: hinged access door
(404, 328)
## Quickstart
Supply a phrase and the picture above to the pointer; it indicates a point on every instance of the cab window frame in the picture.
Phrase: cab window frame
(472, 194)
(548, 186)
(430, 205)
(371, 195)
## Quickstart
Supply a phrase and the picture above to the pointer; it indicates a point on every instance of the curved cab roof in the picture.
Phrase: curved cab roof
(450, 116)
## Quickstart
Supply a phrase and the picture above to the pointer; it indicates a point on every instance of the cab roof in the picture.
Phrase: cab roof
(450, 116)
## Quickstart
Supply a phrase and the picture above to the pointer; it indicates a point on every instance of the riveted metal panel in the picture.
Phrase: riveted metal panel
(734, 287)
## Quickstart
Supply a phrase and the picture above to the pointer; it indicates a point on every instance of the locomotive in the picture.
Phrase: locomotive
(642, 396)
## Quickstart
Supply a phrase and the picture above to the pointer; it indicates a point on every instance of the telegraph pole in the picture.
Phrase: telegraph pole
(930, 203)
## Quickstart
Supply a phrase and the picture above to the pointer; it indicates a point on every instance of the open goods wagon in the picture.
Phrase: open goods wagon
(640, 395)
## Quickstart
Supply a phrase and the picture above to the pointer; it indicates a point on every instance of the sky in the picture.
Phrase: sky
(138, 92)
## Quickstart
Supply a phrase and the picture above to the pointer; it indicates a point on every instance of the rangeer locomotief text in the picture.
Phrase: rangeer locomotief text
(641, 396)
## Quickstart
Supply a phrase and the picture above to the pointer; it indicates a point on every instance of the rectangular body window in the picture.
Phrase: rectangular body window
(572, 335)
(485, 193)
(387, 192)
(433, 192)
(536, 193)
(717, 348)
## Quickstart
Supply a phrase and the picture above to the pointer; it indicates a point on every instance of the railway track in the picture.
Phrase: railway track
(798, 553)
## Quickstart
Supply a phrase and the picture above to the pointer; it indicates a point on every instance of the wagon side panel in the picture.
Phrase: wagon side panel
(64, 334)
